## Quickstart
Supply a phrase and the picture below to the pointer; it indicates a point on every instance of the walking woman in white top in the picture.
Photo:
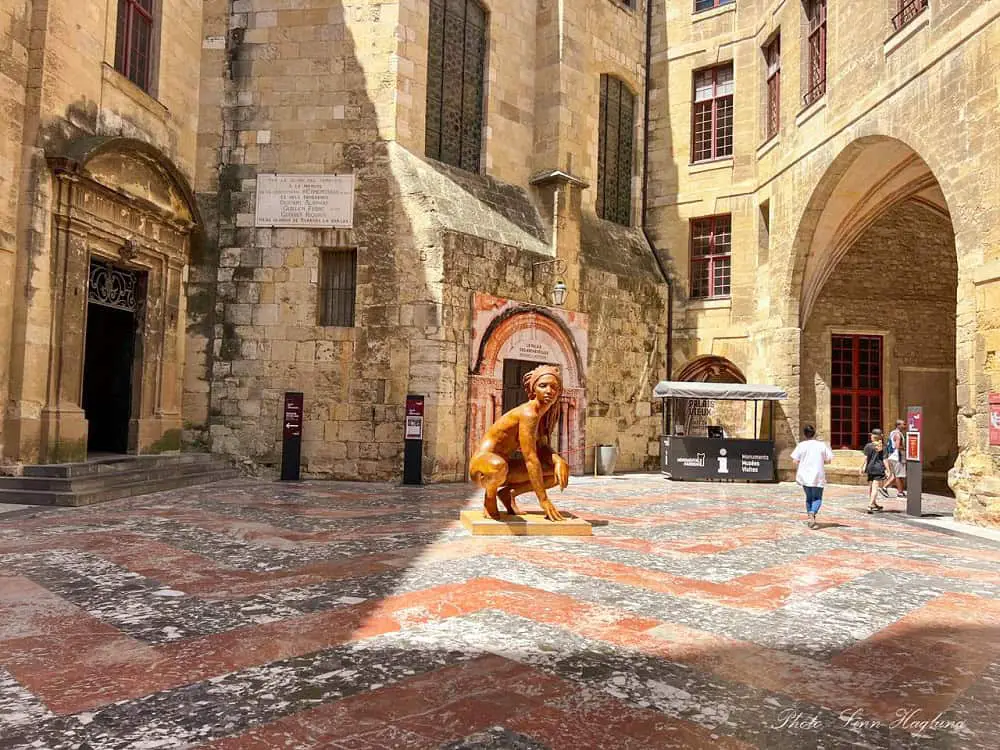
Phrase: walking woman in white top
(811, 455)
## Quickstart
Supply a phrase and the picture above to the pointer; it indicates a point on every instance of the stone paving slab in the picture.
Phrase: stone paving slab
(345, 615)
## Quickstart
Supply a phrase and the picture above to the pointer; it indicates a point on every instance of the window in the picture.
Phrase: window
(338, 283)
(816, 51)
(455, 60)
(856, 389)
(908, 10)
(700, 5)
(614, 151)
(772, 56)
(134, 41)
(711, 256)
(713, 113)
(764, 232)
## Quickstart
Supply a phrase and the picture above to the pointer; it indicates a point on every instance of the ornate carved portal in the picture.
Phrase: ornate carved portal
(507, 330)
(122, 220)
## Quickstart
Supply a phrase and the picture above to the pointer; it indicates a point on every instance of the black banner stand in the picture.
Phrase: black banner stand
(413, 442)
(291, 437)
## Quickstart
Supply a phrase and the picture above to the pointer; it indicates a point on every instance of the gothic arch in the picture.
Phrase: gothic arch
(710, 368)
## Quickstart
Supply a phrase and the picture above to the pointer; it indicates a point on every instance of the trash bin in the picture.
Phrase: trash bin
(607, 456)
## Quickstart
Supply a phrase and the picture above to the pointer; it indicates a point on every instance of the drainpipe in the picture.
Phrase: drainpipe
(669, 347)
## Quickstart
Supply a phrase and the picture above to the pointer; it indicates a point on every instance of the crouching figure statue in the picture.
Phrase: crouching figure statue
(525, 428)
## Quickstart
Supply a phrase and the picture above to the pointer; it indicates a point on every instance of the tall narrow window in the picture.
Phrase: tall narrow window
(338, 284)
(134, 41)
(711, 256)
(816, 46)
(713, 113)
(456, 57)
(614, 151)
(855, 389)
(772, 56)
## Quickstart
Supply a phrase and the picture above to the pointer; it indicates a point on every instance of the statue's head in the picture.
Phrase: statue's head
(544, 384)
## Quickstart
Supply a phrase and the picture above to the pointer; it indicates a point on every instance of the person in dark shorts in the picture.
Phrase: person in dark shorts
(874, 468)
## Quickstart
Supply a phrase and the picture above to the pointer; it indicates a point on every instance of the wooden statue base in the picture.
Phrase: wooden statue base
(533, 523)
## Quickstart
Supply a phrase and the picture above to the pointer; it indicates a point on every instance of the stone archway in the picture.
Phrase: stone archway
(877, 276)
(123, 218)
(508, 330)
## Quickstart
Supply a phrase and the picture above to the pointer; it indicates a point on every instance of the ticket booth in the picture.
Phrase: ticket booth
(712, 451)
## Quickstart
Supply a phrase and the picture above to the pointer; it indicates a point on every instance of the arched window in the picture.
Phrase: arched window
(614, 151)
(456, 58)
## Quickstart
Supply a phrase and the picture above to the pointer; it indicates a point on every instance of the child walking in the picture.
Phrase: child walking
(810, 455)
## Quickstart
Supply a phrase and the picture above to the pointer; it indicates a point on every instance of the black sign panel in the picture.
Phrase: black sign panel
(291, 433)
(413, 443)
(712, 458)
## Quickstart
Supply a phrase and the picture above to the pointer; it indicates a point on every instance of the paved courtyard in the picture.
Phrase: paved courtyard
(340, 615)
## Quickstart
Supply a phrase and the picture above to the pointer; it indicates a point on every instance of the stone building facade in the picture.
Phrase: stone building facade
(834, 170)
(98, 107)
(454, 249)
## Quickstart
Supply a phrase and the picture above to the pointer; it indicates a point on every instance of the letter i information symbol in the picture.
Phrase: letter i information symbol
(723, 462)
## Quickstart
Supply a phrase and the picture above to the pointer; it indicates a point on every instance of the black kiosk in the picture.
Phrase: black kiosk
(715, 455)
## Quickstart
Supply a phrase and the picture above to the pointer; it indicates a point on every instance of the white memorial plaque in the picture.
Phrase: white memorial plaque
(305, 200)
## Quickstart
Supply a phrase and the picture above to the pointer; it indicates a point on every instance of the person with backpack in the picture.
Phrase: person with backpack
(810, 455)
(874, 468)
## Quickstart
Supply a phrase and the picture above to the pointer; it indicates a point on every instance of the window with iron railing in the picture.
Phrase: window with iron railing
(456, 59)
(614, 151)
(711, 256)
(855, 389)
(338, 287)
(772, 56)
(816, 46)
(712, 115)
(908, 10)
(134, 41)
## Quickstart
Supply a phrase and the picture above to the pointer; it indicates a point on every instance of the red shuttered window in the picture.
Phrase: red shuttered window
(816, 47)
(134, 41)
(711, 256)
(712, 115)
(855, 389)
(772, 55)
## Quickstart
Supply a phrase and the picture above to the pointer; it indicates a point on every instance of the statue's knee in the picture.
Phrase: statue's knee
(489, 471)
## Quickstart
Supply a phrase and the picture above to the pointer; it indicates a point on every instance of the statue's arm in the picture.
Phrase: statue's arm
(528, 425)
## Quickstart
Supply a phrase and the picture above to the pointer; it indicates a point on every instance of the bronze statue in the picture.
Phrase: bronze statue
(526, 428)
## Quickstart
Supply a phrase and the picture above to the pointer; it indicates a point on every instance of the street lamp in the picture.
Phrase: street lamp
(559, 289)
(559, 293)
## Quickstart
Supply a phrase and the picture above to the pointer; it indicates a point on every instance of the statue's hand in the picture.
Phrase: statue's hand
(550, 510)
(561, 471)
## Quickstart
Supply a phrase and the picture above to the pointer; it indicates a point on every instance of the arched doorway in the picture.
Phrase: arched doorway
(123, 221)
(511, 338)
(878, 299)
(695, 415)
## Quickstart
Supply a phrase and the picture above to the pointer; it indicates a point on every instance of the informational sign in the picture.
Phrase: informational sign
(913, 447)
(413, 443)
(291, 433)
(914, 419)
(293, 415)
(714, 458)
(305, 200)
(414, 428)
(995, 419)
(914, 456)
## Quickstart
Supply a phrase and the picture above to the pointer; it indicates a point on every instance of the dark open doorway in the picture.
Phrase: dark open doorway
(109, 358)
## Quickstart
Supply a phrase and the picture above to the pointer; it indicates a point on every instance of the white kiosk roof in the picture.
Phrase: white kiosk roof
(718, 391)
